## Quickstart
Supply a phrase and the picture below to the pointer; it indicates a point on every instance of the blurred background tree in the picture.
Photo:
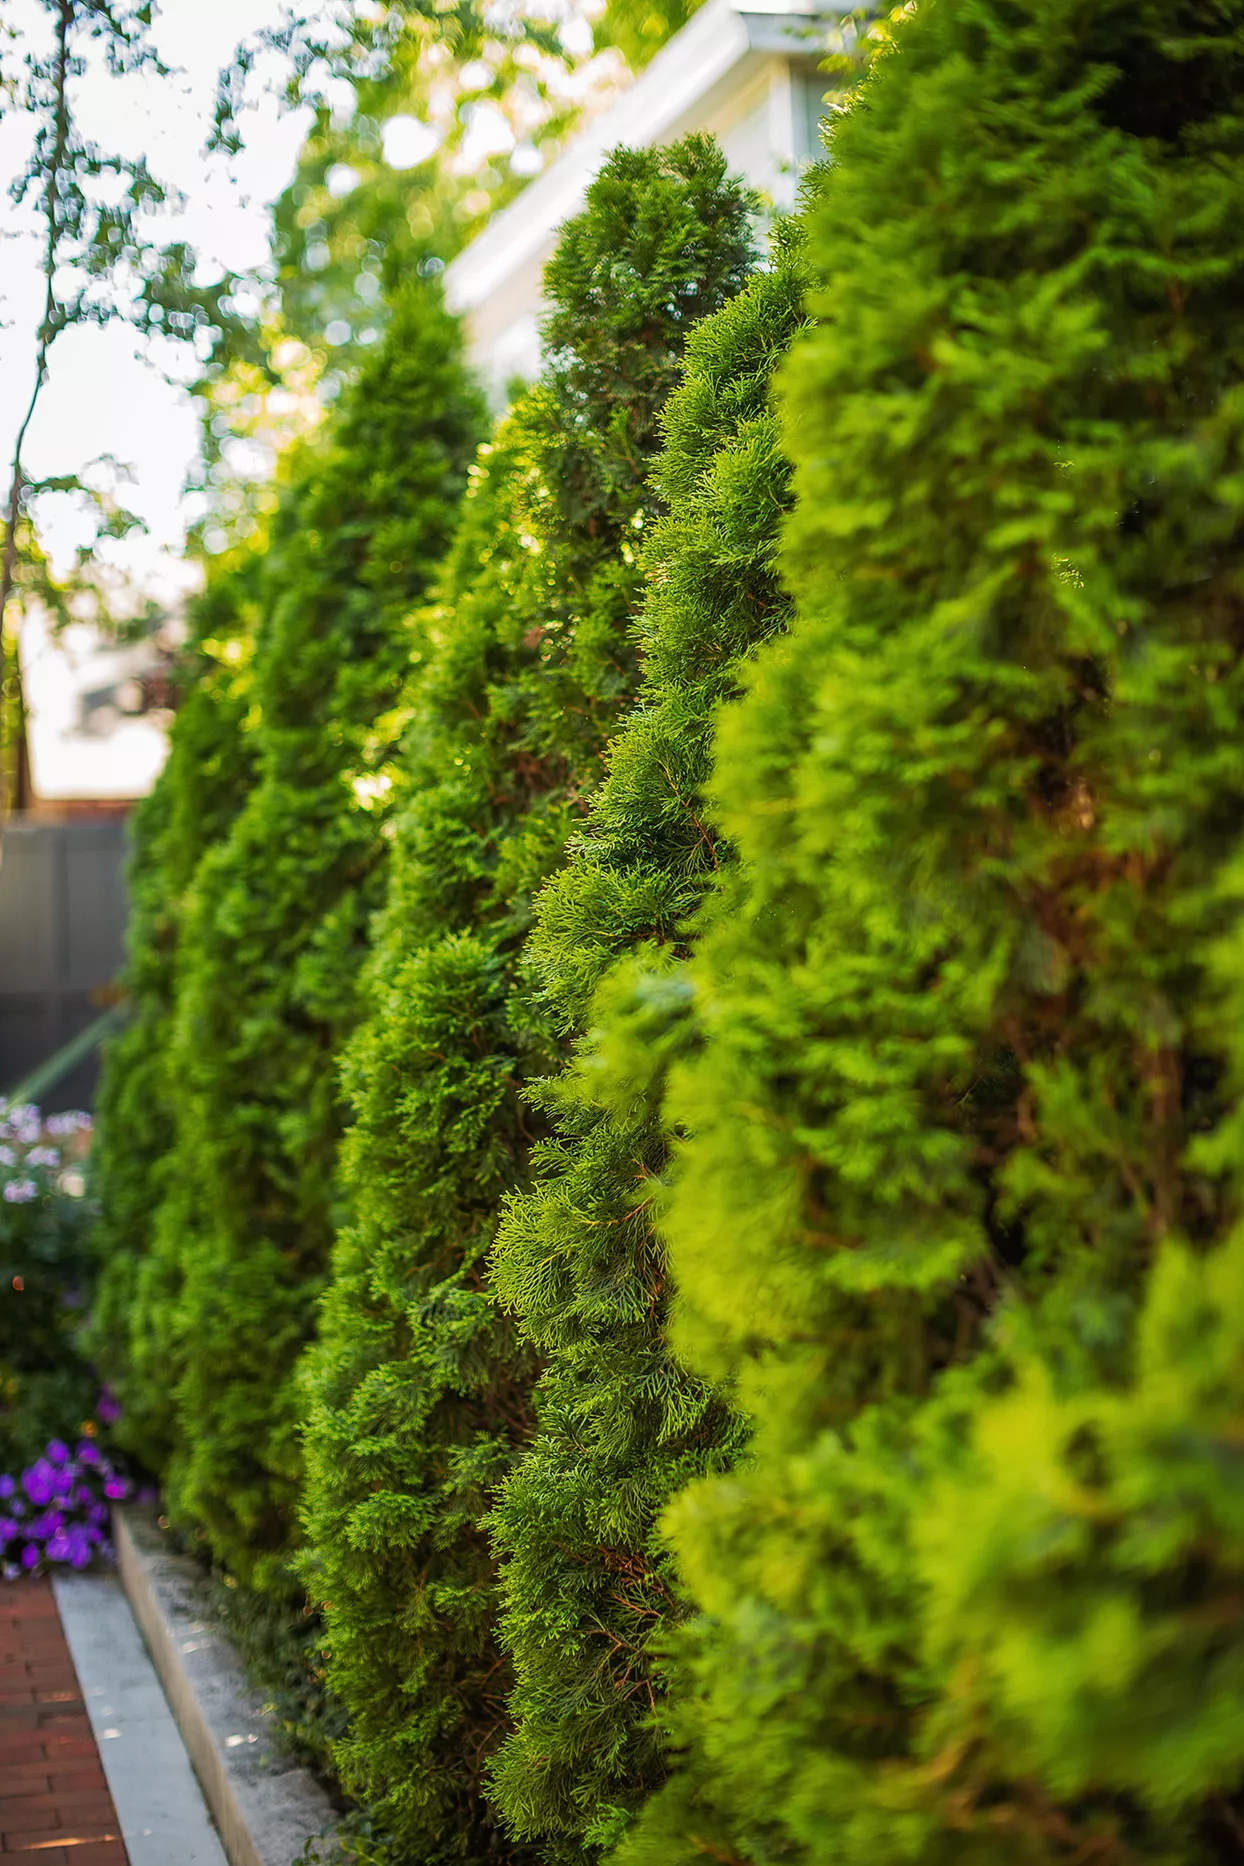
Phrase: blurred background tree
(426, 120)
(103, 258)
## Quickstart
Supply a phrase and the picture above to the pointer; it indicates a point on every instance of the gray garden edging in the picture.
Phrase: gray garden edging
(159, 1803)
(265, 1807)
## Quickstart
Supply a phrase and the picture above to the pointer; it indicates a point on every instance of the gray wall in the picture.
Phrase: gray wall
(63, 908)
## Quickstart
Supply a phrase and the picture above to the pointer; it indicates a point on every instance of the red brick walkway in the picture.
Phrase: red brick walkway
(54, 1801)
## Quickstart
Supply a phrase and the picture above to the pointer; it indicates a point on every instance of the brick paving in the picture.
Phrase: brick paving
(54, 1801)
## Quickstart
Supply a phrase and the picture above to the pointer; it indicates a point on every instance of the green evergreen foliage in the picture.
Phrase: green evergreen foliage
(274, 930)
(587, 1581)
(961, 1201)
(202, 787)
(639, 28)
(417, 1392)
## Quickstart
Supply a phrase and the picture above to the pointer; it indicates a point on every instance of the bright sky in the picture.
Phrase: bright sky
(104, 396)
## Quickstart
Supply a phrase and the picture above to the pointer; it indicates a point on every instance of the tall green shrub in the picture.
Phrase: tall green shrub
(203, 785)
(961, 1201)
(417, 1391)
(588, 1585)
(274, 930)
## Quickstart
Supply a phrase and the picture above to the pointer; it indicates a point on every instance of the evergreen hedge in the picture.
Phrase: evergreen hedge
(417, 1391)
(961, 1202)
(275, 927)
(587, 1581)
(203, 785)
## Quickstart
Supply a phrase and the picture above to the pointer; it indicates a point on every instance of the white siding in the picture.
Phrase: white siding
(743, 70)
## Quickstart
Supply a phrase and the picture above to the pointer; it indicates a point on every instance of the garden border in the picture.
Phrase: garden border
(265, 1807)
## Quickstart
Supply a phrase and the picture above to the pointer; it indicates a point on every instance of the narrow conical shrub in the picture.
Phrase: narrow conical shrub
(588, 1585)
(275, 928)
(203, 785)
(417, 1390)
(960, 1202)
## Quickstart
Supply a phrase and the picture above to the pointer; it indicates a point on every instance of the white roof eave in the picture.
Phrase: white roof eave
(720, 37)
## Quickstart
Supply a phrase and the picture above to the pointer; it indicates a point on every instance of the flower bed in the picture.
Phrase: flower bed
(54, 1500)
(57, 1512)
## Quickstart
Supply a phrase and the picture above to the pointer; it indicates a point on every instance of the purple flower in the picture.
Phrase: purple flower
(83, 1494)
(43, 1156)
(62, 1482)
(88, 1453)
(21, 1191)
(8, 1528)
(39, 1481)
(7, 1485)
(62, 1125)
(23, 1123)
(107, 1408)
(57, 1451)
(30, 1556)
(117, 1487)
(58, 1547)
(98, 1513)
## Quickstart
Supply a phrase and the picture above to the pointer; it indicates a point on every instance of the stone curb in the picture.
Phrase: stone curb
(265, 1807)
(160, 1807)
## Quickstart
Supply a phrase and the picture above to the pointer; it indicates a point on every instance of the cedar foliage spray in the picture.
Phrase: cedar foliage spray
(587, 1583)
(417, 1391)
(961, 1202)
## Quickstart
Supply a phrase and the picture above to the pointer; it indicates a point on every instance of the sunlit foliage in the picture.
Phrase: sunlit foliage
(960, 1202)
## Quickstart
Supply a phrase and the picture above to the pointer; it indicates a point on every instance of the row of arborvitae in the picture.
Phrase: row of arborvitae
(255, 946)
(419, 1391)
(845, 1074)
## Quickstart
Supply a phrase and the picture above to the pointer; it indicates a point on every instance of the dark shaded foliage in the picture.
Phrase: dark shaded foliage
(272, 930)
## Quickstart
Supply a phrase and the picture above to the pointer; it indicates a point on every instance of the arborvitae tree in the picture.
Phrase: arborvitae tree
(275, 929)
(962, 1199)
(417, 1391)
(203, 785)
(587, 1584)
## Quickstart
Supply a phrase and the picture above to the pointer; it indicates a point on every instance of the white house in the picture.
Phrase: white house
(746, 71)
